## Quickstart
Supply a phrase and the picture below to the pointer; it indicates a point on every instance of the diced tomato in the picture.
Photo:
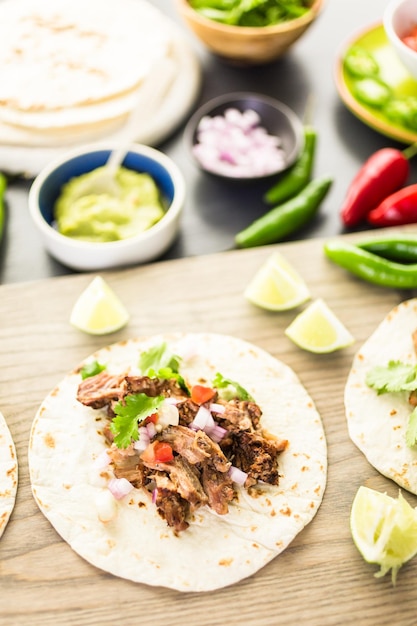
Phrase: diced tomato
(151, 418)
(410, 41)
(201, 394)
(157, 452)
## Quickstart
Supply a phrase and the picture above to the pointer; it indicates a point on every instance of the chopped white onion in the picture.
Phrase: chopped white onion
(119, 487)
(168, 415)
(106, 506)
(102, 461)
(236, 145)
(237, 476)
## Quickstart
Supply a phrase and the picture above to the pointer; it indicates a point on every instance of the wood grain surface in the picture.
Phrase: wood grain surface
(320, 579)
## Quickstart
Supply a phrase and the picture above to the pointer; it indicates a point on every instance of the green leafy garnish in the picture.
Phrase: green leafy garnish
(411, 432)
(159, 357)
(136, 408)
(91, 369)
(251, 12)
(394, 377)
(230, 388)
(166, 373)
(159, 362)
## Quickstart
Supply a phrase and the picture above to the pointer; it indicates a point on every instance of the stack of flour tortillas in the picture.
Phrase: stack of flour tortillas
(71, 72)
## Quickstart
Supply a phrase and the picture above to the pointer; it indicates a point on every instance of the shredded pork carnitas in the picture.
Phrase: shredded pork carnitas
(198, 475)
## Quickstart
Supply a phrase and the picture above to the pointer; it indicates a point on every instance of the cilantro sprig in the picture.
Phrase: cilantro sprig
(230, 388)
(135, 408)
(394, 377)
(397, 377)
(92, 369)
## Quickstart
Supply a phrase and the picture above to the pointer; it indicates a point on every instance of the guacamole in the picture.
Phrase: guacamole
(109, 218)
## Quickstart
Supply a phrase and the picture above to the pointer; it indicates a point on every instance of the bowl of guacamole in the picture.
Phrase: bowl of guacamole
(88, 232)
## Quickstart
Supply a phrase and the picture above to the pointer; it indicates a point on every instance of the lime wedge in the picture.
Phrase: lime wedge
(277, 286)
(317, 329)
(98, 311)
(384, 529)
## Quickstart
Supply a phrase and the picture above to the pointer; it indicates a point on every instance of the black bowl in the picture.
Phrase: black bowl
(275, 116)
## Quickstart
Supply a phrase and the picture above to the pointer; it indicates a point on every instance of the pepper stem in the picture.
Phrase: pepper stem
(411, 151)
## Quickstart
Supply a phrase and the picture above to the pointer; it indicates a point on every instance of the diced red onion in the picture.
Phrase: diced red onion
(172, 400)
(217, 433)
(217, 408)
(144, 439)
(119, 487)
(236, 145)
(102, 461)
(237, 476)
(203, 419)
(154, 495)
(151, 430)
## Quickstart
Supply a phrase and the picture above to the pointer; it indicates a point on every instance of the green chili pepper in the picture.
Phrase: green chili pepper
(359, 63)
(285, 218)
(299, 175)
(401, 248)
(372, 91)
(371, 267)
(3, 186)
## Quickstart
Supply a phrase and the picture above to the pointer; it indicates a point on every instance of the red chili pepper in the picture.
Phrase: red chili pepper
(381, 175)
(398, 209)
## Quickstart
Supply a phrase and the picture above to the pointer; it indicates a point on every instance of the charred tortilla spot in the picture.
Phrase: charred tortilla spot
(49, 440)
(225, 562)
(285, 511)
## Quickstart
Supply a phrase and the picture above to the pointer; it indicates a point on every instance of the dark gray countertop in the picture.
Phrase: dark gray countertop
(215, 211)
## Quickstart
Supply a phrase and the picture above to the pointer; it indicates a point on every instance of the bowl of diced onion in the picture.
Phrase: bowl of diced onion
(244, 136)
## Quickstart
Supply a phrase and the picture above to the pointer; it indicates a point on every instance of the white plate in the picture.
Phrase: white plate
(171, 110)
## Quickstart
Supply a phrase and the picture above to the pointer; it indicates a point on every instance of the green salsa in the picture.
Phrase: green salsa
(104, 217)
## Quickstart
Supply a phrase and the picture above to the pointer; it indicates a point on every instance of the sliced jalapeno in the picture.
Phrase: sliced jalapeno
(359, 63)
(372, 91)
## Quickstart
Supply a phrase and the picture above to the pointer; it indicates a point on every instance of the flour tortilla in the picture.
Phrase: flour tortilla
(71, 68)
(377, 423)
(215, 551)
(8, 474)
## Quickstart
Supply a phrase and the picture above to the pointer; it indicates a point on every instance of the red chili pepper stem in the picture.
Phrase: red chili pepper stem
(411, 151)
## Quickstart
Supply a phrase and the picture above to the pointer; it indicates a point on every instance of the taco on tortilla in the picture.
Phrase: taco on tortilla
(182, 460)
(8, 474)
(381, 397)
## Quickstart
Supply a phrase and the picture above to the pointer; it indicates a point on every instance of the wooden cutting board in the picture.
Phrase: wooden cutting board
(320, 579)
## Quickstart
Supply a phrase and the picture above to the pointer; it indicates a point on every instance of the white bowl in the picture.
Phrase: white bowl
(89, 256)
(400, 16)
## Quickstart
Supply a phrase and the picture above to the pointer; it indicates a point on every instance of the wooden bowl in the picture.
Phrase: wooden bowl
(247, 45)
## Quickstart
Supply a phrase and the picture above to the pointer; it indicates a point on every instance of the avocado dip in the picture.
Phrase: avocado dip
(104, 217)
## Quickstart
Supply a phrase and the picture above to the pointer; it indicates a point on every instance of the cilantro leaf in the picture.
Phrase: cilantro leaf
(411, 431)
(91, 369)
(394, 377)
(158, 357)
(230, 388)
(166, 373)
(136, 408)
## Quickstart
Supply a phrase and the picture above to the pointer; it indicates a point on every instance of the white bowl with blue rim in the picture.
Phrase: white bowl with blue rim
(82, 255)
